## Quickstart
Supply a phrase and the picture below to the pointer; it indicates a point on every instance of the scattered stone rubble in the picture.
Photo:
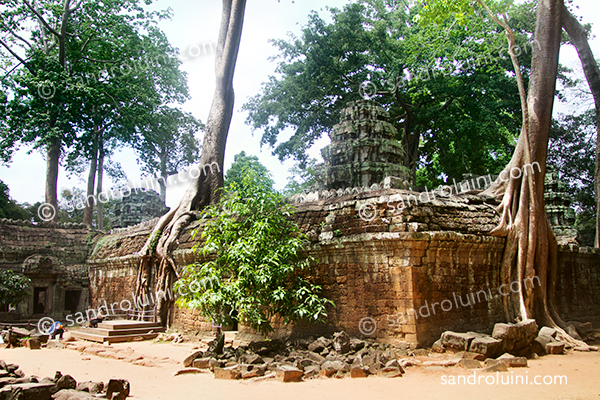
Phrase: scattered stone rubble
(291, 361)
(14, 384)
(509, 346)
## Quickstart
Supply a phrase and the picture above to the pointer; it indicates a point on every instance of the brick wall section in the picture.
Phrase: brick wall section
(69, 243)
(381, 269)
(578, 286)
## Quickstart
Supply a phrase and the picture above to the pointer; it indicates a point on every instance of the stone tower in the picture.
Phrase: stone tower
(138, 207)
(558, 209)
(363, 149)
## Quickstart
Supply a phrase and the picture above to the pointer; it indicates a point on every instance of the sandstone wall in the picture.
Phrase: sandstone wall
(53, 256)
(19, 240)
(578, 284)
(396, 274)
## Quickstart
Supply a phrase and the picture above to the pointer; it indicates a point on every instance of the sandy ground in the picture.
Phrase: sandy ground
(582, 371)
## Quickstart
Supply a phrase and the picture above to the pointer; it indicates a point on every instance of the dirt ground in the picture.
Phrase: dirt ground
(582, 372)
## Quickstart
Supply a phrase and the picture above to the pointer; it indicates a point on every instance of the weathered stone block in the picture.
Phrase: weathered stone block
(286, 373)
(487, 346)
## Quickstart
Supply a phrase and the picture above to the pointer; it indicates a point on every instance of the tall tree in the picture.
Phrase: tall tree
(49, 44)
(531, 248)
(168, 143)
(444, 85)
(579, 39)
(239, 169)
(157, 267)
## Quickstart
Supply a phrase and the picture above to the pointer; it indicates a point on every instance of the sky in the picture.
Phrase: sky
(194, 29)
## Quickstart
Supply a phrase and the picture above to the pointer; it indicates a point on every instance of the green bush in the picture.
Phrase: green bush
(258, 270)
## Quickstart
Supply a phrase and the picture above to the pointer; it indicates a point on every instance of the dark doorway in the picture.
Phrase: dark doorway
(72, 300)
(39, 300)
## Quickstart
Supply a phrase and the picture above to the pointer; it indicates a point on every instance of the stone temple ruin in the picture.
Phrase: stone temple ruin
(138, 207)
(413, 266)
(363, 150)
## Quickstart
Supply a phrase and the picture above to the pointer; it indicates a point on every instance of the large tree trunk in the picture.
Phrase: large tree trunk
(52, 163)
(100, 208)
(157, 267)
(88, 211)
(162, 183)
(579, 39)
(531, 248)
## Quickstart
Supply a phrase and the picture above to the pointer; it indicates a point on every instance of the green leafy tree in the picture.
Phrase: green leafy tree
(168, 144)
(258, 271)
(14, 288)
(58, 55)
(241, 163)
(571, 152)
(448, 87)
(9, 208)
(303, 176)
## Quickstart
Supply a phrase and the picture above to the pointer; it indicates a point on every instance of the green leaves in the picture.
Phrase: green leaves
(449, 88)
(255, 269)
(14, 287)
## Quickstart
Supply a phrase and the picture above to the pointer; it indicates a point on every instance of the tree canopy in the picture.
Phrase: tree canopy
(448, 87)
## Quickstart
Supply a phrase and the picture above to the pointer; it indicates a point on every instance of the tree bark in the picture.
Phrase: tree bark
(52, 163)
(157, 267)
(88, 211)
(531, 248)
(579, 39)
(164, 174)
(100, 208)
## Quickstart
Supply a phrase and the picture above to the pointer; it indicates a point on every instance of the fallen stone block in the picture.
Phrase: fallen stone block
(90, 387)
(312, 370)
(469, 364)
(341, 342)
(319, 345)
(457, 341)
(187, 362)
(120, 386)
(538, 346)
(512, 361)
(486, 346)
(202, 363)
(228, 373)
(71, 394)
(390, 372)
(492, 365)
(28, 391)
(33, 344)
(287, 373)
(548, 332)
(438, 347)
(555, 348)
(252, 370)
(359, 372)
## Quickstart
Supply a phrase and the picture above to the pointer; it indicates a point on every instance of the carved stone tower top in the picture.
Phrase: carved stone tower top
(363, 149)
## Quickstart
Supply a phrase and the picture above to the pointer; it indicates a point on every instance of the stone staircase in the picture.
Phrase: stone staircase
(119, 331)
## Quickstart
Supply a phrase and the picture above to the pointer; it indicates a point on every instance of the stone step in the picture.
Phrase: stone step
(112, 339)
(119, 324)
(120, 332)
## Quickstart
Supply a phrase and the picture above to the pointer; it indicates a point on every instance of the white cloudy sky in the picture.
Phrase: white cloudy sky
(197, 22)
